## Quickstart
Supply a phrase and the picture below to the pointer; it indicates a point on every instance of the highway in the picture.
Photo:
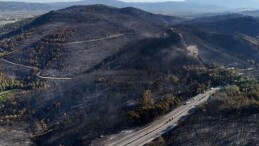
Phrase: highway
(160, 126)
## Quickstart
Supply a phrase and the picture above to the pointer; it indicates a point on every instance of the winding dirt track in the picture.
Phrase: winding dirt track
(20, 65)
(51, 78)
(96, 40)
(31, 67)
(70, 43)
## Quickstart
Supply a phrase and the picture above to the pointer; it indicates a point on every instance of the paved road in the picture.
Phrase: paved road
(160, 126)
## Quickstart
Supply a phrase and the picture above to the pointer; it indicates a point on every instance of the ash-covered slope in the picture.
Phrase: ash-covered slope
(232, 37)
(73, 40)
(100, 59)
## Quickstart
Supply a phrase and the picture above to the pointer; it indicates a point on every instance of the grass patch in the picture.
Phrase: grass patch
(6, 95)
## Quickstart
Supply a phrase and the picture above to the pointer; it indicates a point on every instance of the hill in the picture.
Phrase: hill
(97, 56)
(186, 8)
(193, 8)
(234, 4)
(170, 7)
(20, 6)
(227, 35)
(52, 42)
(254, 13)
(83, 68)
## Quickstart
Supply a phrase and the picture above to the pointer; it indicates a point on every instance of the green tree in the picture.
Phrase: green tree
(174, 81)
(232, 90)
(147, 99)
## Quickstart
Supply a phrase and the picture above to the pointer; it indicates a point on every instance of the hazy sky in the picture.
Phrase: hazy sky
(149, 0)
(49, 1)
(41, 1)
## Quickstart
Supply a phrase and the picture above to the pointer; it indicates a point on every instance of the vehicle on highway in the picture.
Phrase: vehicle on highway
(187, 102)
(171, 119)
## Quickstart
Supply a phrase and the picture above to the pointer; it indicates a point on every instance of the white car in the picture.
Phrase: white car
(188, 102)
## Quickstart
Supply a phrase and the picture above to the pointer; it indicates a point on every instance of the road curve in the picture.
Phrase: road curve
(35, 68)
(20, 65)
(157, 128)
(51, 78)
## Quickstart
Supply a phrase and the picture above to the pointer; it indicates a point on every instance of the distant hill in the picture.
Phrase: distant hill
(254, 13)
(233, 4)
(187, 8)
(20, 6)
(172, 8)
(225, 34)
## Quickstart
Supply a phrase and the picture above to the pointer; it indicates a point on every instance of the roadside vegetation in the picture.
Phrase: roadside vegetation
(234, 105)
(151, 109)
(197, 80)
(29, 83)
(8, 84)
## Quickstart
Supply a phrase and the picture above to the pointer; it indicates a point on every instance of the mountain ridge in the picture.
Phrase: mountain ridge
(93, 63)
(170, 7)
